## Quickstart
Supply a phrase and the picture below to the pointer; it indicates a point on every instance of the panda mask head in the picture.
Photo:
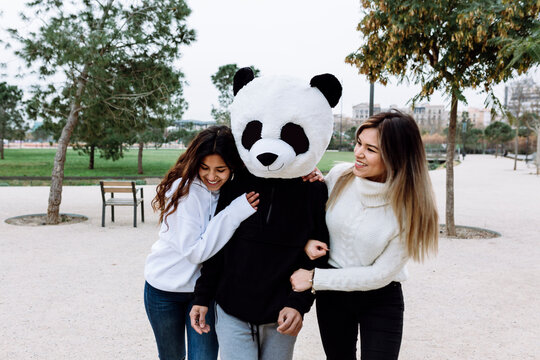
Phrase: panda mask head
(282, 125)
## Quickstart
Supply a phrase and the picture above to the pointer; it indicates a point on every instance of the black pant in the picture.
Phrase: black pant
(379, 314)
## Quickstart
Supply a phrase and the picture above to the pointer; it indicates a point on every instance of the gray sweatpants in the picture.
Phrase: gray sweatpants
(238, 339)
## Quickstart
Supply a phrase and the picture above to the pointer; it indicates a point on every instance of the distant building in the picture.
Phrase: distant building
(430, 118)
(361, 111)
(480, 118)
(193, 124)
(344, 123)
(522, 96)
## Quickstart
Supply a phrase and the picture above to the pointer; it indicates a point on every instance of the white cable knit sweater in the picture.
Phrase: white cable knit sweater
(365, 247)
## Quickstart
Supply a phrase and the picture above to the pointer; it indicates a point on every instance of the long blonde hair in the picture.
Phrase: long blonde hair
(410, 192)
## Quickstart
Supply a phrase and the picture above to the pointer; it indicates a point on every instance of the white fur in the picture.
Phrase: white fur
(276, 101)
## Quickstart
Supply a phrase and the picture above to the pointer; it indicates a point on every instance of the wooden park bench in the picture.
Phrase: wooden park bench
(113, 187)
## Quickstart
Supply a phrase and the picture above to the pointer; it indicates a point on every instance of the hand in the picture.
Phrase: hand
(290, 321)
(198, 322)
(314, 249)
(253, 199)
(302, 280)
(315, 175)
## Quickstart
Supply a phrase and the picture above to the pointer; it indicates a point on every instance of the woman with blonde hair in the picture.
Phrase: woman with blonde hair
(381, 212)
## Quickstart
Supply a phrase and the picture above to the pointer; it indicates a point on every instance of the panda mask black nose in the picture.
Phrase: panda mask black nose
(267, 158)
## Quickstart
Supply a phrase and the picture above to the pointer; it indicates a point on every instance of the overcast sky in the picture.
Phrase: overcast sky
(302, 38)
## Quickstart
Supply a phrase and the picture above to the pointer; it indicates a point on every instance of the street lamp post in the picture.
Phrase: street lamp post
(371, 91)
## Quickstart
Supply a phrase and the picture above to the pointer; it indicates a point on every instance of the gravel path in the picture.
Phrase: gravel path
(75, 291)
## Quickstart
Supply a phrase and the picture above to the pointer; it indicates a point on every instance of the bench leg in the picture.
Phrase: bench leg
(142, 211)
(112, 213)
(103, 216)
(135, 216)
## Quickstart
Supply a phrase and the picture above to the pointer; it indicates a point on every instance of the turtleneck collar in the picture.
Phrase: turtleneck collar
(373, 193)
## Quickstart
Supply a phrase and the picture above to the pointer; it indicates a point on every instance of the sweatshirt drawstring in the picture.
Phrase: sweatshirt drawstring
(270, 207)
(255, 334)
(211, 215)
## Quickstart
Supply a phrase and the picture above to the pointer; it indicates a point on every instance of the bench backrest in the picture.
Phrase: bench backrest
(118, 187)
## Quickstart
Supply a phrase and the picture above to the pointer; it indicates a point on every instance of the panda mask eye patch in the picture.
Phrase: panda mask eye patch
(295, 136)
(251, 134)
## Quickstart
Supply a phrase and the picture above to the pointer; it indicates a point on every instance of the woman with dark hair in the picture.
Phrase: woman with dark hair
(381, 211)
(190, 234)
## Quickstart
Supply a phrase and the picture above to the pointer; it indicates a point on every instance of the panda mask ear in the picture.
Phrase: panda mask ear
(242, 78)
(330, 87)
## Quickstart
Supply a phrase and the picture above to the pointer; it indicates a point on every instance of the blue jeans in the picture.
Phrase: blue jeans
(168, 313)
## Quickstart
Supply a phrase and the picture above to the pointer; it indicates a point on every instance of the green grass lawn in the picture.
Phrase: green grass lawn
(330, 158)
(156, 162)
(39, 162)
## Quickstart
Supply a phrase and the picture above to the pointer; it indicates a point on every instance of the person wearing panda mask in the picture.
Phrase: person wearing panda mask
(282, 127)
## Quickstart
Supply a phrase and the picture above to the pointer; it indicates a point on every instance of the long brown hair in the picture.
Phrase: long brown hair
(410, 192)
(213, 140)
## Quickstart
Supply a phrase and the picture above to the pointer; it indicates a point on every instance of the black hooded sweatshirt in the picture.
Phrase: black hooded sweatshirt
(249, 277)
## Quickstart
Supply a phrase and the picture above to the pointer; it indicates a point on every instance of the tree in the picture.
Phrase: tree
(466, 134)
(12, 125)
(223, 81)
(183, 135)
(499, 133)
(349, 139)
(39, 133)
(474, 140)
(110, 128)
(522, 95)
(90, 43)
(447, 45)
(519, 47)
(514, 112)
(531, 119)
(93, 133)
(158, 110)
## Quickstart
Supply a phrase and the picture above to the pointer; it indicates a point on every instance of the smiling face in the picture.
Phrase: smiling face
(214, 172)
(369, 163)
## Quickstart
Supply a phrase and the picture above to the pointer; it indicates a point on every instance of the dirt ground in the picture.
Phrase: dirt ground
(75, 291)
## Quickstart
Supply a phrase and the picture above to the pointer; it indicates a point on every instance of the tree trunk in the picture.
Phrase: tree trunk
(527, 149)
(57, 176)
(92, 152)
(451, 145)
(516, 144)
(538, 151)
(139, 158)
(2, 133)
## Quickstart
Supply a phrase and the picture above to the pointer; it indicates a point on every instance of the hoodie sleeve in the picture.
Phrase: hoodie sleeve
(186, 227)
(302, 301)
(207, 283)
(362, 278)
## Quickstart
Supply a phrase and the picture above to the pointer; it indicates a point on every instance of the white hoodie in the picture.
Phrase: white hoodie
(192, 236)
